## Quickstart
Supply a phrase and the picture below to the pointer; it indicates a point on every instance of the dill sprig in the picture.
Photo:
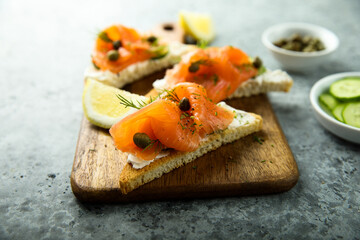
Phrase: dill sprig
(158, 146)
(171, 95)
(202, 44)
(130, 103)
(194, 66)
(104, 36)
(260, 140)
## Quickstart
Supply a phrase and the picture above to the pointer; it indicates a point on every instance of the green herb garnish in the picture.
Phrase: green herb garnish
(258, 139)
(228, 88)
(261, 70)
(130, 103)
(182, 126)
(183, 115)
(171, 95)
(215, 79)
(202, 44)
(103, 36)
(153, 142)
(194, 66)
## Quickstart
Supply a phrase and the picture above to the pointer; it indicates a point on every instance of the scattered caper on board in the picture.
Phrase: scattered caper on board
(300, 43)
(142, 140)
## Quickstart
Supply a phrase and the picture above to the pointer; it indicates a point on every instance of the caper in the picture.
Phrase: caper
(320, 46)
(151, 39)
(142, 140)
(296, 38)
(297, 46)
(301, 44)
(194, 67)
(113, 55)
(257, 63)
(103, 36)
(184, 104)
(117, 44)
(308, 49)
(280, 43)
(306, 39)
(288, 46)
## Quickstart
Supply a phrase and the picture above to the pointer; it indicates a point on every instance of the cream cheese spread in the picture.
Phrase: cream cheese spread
(241, 118)
(139, 163)
(140, 69)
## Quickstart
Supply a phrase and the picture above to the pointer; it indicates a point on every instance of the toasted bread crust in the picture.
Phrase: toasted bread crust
(270, 81)
(131, 178)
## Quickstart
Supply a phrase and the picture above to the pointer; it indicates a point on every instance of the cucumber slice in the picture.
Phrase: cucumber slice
(337, 111)
(351, 114)
(326, 109)
(328, 100)
(347, 89)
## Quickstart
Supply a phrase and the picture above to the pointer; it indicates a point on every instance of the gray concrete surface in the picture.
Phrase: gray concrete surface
(44, 49)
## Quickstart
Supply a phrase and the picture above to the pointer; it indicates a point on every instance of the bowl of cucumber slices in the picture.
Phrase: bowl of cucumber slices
(336, 103)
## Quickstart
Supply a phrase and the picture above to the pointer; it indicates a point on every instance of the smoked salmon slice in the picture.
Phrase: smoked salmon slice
(127, 47)
(168, 124)
(219, 70)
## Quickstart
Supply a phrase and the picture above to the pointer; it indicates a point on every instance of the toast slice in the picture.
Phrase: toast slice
(270, 81)
(243, 124)
(141, 69)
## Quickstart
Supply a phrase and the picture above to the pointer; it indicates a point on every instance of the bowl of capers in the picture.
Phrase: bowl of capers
(300, 46)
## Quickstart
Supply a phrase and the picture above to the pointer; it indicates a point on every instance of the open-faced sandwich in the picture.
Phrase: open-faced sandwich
(177, 127)
(122, 55)
(225, 72)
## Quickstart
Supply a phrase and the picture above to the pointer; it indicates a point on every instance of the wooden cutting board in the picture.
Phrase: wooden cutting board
(260, 163)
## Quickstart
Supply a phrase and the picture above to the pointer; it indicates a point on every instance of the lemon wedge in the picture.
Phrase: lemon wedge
(102, 106)
(198, 25)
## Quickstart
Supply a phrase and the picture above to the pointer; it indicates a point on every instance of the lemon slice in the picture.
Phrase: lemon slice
(198, 25)
(102, 106)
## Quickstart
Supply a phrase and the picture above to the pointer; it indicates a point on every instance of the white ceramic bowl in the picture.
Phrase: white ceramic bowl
(340, 129)
(297, 61)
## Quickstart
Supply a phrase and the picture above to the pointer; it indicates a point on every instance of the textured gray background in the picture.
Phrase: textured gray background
(44, 49)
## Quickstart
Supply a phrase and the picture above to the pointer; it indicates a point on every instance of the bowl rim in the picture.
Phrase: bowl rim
(305, 26)
(315, 102)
